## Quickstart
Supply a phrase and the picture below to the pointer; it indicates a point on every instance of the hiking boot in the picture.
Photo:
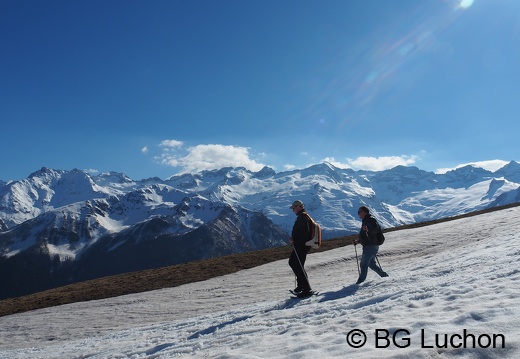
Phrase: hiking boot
(384, 274)
(305, 293)
(297, 290)
(359, 281)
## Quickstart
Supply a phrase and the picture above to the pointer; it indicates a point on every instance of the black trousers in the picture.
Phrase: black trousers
(298, 266)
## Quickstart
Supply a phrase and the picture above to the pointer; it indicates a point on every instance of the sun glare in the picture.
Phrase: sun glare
(464, 4)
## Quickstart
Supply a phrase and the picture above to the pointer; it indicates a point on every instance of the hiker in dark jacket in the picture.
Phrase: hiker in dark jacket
(301, 233)
(368, 239)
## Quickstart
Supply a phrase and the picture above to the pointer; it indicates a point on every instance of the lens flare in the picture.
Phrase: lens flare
(464, 4)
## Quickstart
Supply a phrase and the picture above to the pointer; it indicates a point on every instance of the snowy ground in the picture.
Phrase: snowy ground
(453, 292)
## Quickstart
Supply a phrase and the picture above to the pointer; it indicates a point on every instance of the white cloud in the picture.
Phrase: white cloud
(206, 157)
(145, 149)
(215, 156)
(491, 165)
(382, 163)
(335, 163)
(171, 143)
(374, 163)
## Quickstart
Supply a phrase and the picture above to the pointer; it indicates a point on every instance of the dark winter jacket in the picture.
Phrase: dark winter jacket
(369, 238)
(302, 230)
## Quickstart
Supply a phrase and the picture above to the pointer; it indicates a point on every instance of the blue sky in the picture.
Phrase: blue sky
(157, 88)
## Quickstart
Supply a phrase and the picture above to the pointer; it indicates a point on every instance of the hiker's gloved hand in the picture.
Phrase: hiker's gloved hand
(355, 241)
(291, 241)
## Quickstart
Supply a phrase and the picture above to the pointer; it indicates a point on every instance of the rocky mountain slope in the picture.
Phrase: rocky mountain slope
(59, 227)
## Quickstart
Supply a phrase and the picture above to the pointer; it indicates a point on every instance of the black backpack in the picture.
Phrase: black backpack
(380, 236)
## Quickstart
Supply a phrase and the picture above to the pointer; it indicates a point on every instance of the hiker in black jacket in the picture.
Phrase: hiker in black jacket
(301, 233)
(368, 239)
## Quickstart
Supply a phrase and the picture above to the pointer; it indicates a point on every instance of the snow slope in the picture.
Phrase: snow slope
(457, 281)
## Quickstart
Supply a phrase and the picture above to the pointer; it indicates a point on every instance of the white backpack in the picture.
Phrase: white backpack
(315, 241)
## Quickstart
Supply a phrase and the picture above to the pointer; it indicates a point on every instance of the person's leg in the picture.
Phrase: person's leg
(297, 263)
(367, 258)
(303, 281)
(363, 264)
(373, 265)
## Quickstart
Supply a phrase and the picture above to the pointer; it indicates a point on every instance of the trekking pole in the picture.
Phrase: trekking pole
(377, 259)
(357, 260)
(301, 265)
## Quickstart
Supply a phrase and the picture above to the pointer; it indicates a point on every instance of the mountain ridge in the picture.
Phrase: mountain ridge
(63, 221)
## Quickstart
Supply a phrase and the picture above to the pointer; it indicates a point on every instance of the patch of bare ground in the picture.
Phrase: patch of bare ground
(176, 275)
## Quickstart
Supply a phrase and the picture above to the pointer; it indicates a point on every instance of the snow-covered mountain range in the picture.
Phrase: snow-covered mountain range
(58, 226)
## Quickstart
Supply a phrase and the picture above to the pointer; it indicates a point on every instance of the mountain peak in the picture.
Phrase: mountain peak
(264, 173)
(44, 171)
(511, 171)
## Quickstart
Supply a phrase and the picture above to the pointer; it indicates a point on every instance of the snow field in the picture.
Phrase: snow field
(451, 284)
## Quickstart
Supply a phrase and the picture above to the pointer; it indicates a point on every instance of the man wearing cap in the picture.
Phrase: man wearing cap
(301, 233)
